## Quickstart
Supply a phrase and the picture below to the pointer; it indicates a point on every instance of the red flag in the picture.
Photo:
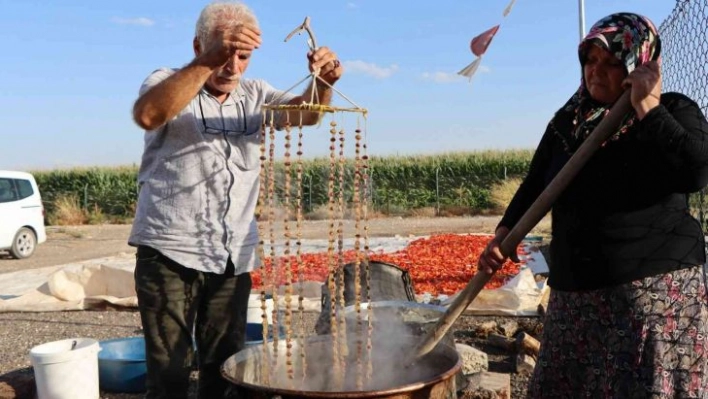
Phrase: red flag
(480, 42)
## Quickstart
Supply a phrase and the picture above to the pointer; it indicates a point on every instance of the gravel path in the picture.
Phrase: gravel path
(19, 332)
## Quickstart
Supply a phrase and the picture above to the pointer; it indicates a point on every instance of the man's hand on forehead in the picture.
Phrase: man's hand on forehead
(227, 40)
(241, 36)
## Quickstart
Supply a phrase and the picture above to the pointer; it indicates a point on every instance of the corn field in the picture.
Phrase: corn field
(396, 184)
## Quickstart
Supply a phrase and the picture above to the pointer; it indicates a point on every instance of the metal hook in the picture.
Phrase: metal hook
(306, 27)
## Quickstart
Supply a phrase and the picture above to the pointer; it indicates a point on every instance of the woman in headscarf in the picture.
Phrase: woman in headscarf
(628, 312)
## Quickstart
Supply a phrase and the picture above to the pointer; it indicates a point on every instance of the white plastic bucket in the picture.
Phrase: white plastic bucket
(66, 369)
(255, 313)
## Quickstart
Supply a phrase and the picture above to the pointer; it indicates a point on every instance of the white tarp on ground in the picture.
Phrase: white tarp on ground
(94, 284)
(77, 286)
(520, 296)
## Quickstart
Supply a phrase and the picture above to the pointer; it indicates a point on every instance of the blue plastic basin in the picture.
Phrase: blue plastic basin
(121, 365)
(121, 361)
(254, 333)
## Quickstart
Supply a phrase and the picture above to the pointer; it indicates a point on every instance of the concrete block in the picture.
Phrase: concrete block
(486, 385)
(473, 360)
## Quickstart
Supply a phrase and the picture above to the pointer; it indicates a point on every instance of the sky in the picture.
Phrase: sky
(71, 70)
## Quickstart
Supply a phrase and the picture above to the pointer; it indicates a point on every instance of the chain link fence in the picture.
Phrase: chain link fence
(433, 189)
(684, 41)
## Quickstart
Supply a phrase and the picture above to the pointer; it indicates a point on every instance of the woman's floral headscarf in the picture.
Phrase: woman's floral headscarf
(634, 40)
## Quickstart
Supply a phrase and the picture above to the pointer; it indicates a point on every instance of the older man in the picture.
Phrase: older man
(194, 229)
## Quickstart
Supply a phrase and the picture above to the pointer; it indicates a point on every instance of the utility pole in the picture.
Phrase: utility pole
(581, 18)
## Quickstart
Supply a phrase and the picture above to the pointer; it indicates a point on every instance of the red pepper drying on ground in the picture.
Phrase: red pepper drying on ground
(439, 264)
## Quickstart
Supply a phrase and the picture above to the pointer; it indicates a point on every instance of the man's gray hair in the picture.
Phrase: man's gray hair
(221, 13)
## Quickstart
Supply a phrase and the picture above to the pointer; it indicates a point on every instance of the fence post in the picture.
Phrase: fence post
(368, 194)
(86, 196)
(437, 191)
(309, 193)
(371, 193)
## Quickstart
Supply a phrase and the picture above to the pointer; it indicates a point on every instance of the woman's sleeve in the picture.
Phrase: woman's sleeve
(533, 184)
(679, 129)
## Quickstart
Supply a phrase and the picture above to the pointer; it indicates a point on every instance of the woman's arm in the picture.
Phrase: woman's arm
(679, 128)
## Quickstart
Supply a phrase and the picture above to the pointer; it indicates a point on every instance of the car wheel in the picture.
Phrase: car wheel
(24, 244)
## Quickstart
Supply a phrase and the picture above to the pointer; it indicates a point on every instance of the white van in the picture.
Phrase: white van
(21, 214)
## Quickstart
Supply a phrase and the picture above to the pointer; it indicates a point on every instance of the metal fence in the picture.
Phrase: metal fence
(437, 189)
(684, 40)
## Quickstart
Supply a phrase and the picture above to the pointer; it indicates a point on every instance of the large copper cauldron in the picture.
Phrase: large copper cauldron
(433, 377)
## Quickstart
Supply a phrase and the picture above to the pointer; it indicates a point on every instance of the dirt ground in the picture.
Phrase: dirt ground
(19, 332)
(66, 244)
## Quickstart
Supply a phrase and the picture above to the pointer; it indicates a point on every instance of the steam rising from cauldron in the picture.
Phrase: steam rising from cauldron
(396, 332)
